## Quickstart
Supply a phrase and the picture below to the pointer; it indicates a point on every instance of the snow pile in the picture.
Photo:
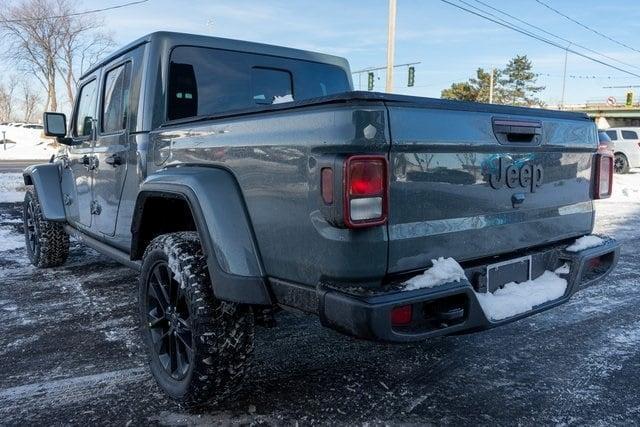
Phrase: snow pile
(564, 269)
(516, 298)
(25, 144)
(11, 187)
(585, 242)
(282, 99)
(510, 300)
(444, 270)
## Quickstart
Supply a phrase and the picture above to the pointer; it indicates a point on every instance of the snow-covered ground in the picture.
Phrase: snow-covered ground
(25, 144)
(11, 187)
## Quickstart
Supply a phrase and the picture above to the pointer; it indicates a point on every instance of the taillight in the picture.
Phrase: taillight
(401, 315)
(603, 176)
(365, 191)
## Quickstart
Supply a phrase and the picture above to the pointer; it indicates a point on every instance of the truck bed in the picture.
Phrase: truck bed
(441, 202)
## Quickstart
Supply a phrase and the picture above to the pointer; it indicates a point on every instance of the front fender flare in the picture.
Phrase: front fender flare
(223, 224)
(45, 178)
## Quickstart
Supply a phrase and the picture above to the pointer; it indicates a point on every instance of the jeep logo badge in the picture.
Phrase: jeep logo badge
(528, 176)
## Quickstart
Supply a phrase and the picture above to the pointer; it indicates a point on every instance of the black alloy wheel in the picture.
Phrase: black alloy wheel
(169, 322)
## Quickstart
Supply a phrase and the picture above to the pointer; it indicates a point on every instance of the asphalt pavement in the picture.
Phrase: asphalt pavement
(71, 353)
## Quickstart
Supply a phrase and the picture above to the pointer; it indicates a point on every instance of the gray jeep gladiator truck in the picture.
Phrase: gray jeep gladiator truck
(240, 179)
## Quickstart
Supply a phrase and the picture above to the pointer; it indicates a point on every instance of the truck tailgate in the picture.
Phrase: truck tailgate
(471, 184)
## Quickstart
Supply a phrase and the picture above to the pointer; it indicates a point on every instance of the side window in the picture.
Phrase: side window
(115, 107)
(629, 134)
(183, 91)
(86, 111)
(271, 86)
(612, 134)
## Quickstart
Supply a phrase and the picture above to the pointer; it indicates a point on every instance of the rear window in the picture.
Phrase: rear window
(205, 81)
(612, 134)
(629, 134)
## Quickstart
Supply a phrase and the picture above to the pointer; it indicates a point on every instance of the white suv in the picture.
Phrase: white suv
(627, 147)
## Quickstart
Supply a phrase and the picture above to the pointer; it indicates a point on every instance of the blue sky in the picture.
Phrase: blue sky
(450, 43)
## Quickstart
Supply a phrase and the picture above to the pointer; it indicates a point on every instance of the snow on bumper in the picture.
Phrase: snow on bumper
(456, 306)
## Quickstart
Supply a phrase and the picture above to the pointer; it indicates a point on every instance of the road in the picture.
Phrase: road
(17, 165)
(70, 353)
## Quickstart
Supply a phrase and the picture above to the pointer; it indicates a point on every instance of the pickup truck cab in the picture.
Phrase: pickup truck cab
(240, 179)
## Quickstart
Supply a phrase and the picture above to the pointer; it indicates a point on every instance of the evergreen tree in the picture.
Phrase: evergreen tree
(520, 82)
(514, 85)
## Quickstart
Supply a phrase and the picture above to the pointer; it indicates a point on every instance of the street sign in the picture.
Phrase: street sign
(611, 101)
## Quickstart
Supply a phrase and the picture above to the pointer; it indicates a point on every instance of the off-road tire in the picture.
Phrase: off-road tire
(620, 163)
(46, 241)
(221, 332)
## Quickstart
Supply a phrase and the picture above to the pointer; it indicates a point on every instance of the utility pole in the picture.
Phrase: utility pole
(493, 71)
(391, 42)
(564, 75)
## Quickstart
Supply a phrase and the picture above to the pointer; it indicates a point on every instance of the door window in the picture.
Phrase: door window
(115, 108)
(629, 134)
(612, 135)
(86, 112)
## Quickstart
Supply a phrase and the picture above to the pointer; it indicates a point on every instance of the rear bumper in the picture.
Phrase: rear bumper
(453, 307)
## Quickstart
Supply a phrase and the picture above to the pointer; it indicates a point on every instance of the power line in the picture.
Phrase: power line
(86, 12)
(546, 32)
(540, 38)
(586, 26)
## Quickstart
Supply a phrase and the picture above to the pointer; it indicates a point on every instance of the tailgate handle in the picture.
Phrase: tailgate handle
(518, 131)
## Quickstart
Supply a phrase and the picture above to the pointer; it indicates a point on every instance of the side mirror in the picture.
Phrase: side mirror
(55, 124)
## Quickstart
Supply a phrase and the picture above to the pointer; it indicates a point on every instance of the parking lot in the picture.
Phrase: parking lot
(70, 352)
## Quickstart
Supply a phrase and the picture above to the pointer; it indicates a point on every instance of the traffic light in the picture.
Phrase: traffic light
(370, 82)
(629, 102)
(412, 76)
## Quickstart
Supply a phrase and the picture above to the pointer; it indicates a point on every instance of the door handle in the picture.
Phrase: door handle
(522, 131)
(113, 160)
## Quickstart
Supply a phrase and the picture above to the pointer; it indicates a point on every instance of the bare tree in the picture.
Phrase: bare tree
(30, 101)
(47, 38)
(81, 47)
(7, 99)
(34, 40)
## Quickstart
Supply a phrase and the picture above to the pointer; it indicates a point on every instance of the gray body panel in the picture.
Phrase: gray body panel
(275, 158)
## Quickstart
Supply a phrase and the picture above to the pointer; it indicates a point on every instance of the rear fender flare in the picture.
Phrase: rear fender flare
(223, 224)
(45, 179)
